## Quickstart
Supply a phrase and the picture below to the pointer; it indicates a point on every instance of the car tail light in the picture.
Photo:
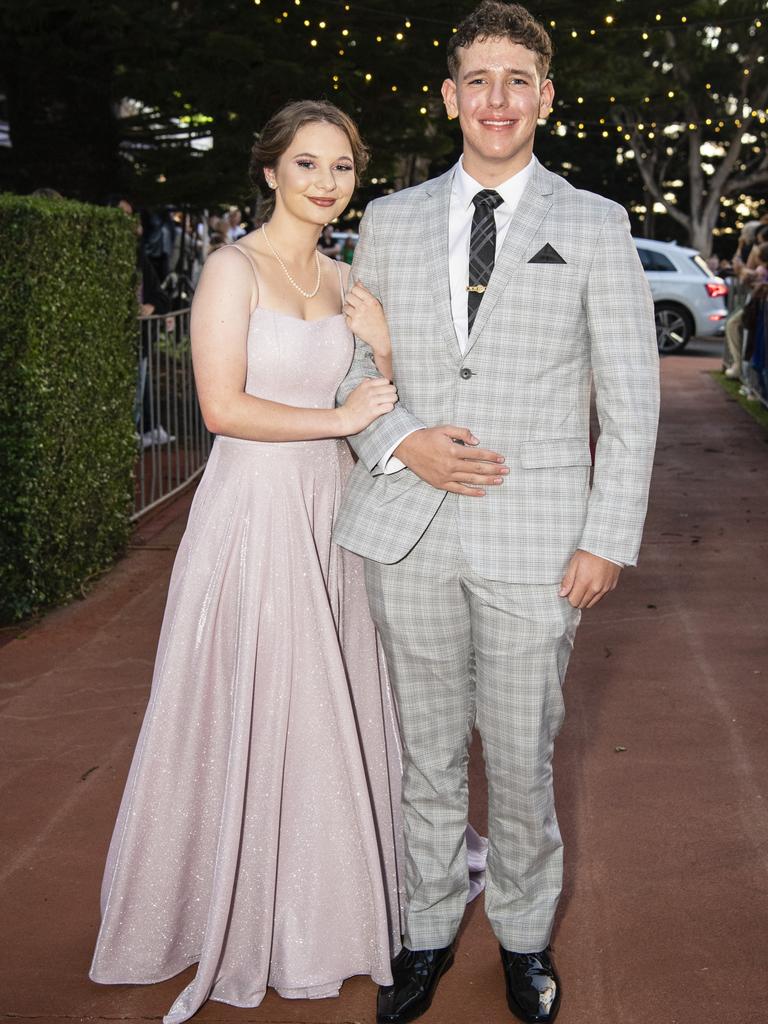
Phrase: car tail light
(717, 316)
(716, 289)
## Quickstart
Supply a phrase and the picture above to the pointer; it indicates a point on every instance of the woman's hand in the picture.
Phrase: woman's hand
(371, 399)
(365, 318)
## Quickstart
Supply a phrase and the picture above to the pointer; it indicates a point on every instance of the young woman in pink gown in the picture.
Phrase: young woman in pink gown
(256, 836)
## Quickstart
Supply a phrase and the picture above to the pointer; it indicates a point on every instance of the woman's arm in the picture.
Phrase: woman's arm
(365, 318)
(220, 317)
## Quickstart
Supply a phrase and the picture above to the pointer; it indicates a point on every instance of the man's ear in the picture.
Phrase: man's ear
(448, 91)
(547, 98)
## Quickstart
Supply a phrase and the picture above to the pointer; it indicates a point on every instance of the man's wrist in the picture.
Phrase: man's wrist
(401, 452)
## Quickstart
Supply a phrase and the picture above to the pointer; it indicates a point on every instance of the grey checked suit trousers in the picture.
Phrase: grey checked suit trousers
(464, 591)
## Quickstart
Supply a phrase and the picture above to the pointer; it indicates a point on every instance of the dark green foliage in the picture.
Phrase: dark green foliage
(67, 384)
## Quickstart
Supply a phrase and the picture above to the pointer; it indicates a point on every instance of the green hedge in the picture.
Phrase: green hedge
(67, 384)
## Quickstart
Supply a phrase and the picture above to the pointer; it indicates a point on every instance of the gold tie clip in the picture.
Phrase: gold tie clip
(479, 288)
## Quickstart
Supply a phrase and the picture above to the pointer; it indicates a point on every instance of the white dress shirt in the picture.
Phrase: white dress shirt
(460, 214)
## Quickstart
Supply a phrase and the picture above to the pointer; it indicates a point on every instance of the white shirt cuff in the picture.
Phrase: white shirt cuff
(388, 463)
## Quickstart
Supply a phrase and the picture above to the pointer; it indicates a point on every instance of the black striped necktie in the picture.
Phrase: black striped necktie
(482, 249)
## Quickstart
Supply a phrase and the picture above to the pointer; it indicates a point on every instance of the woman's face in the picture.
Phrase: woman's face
(316, 175)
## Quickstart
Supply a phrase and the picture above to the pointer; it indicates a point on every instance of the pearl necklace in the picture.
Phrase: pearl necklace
(307, 295)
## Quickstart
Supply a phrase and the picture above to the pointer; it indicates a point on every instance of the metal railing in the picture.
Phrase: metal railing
(173, 440)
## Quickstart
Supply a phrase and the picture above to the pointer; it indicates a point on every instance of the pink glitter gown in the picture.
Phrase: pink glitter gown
(257, 832)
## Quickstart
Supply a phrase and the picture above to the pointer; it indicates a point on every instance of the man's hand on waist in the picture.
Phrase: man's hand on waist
(450, 459)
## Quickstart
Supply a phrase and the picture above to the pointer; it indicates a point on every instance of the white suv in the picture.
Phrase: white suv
(689, 299)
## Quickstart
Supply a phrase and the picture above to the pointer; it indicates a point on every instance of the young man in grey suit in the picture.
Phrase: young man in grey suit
(507, 293)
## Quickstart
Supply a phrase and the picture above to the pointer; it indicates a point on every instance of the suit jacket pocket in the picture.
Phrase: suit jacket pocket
(552, 453)
(392, 486)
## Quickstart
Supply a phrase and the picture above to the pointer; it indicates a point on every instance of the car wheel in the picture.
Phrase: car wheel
(674, 327)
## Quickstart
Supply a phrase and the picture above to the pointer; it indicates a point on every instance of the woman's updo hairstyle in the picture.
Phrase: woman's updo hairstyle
(279, 131)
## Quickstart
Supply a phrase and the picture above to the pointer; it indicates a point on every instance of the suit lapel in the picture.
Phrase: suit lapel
(534, 205)
(438, 201)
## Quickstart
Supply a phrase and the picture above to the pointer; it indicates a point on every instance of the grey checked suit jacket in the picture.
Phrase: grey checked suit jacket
(543, 331)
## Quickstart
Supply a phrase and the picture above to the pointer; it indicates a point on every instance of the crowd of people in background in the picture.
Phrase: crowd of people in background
(745, 330)
(173, 246)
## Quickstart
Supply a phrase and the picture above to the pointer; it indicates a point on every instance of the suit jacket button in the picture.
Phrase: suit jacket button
(465, 373)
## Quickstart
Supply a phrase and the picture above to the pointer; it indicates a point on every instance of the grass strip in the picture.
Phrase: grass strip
(755, 408)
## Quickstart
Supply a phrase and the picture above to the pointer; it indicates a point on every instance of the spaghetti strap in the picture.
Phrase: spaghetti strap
(242, 251)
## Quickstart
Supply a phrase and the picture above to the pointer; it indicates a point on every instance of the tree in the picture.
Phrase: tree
(688, 91)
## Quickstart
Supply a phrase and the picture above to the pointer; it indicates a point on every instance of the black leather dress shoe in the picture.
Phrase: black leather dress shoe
(533, 987)
(415, 974)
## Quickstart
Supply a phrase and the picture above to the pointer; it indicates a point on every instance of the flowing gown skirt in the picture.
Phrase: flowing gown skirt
(257, 831)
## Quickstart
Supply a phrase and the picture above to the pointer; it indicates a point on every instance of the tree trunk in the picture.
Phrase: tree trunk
(701, 230)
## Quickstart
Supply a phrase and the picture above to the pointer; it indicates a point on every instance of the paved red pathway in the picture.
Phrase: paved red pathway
(665, 909)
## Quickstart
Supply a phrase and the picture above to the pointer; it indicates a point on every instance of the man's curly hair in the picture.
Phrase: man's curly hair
(496, 20)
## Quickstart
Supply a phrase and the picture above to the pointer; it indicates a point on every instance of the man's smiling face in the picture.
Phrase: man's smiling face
(498, 96)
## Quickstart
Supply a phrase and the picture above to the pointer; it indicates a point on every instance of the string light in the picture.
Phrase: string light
(608, 22)
(580, 128)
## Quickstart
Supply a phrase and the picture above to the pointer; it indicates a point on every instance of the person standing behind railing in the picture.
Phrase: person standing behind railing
(749, 278)
(152, 300)
(754, 326)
